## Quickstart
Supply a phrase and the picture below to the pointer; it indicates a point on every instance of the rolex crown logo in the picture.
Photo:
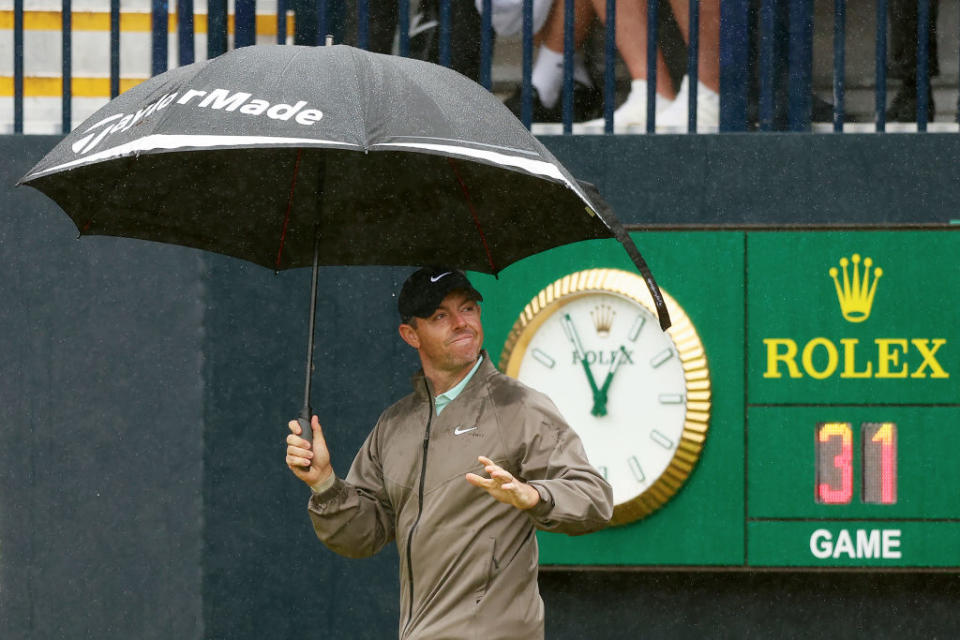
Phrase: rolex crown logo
(856, 292)
(602, 319)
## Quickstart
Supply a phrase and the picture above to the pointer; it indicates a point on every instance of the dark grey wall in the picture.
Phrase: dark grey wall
(144, 391)
(266, 575)
(101, 411)
(762, 179)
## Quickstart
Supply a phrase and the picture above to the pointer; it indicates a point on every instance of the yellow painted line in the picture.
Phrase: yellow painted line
(266, 25)
(35, 87)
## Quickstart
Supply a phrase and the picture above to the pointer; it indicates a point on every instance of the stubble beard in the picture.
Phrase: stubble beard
(461, 355)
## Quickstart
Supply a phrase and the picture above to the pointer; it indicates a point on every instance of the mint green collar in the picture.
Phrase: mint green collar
(451, 394)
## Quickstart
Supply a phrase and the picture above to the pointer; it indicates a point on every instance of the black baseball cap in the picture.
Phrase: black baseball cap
(423, 291)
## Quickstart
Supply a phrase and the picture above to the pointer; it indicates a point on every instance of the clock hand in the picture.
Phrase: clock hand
(600, 398)
(574, 338)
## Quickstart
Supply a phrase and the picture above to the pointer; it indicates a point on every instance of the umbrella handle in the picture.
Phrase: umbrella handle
(306, 432)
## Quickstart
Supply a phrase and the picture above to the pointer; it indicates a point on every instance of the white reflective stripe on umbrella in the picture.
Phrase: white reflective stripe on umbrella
(187, 142)
(536, 167)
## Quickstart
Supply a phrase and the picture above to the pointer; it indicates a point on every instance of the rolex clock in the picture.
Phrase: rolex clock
(638, 397)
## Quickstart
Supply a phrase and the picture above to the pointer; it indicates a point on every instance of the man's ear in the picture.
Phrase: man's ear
(409, 336)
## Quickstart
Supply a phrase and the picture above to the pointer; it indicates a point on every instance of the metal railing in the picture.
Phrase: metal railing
(764, 45)
(785, 50)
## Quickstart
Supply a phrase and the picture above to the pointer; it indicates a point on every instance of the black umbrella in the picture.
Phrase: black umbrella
(291, 156)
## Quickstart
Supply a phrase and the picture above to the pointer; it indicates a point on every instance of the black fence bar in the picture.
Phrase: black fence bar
(281, 21)
(766, 52)
(923, 66)
(568, 46)
(244, 23)
(734, 64)
(526, 72)
(693, 62)
(18, 66)
(881, 67)
(216, 28)
(403, 21)
(839, 62)
(323, 23)
(800, 65)
(159, 21)
(609, 65)
(185, 30)
(67, 65)
(486, 44)
(445, 28)
(363, 24)
(651, 65)
(114, 48)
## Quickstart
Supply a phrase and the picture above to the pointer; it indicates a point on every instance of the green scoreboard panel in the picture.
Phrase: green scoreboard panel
(834, 408)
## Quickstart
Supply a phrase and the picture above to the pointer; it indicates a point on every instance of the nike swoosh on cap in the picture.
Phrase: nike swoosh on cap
(460, 430)
(436, 278)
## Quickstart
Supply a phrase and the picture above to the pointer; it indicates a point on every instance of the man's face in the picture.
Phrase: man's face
(451, 338)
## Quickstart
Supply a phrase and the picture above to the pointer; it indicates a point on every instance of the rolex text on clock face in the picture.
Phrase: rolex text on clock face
(617, 378)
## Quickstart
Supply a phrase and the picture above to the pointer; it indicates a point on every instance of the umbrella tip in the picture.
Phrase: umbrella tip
(329, 40)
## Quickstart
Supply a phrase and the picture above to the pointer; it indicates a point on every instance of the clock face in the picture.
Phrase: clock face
(637, 396)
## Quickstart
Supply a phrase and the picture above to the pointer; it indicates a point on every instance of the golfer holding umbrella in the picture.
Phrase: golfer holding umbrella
(460, 473)
(301, 156)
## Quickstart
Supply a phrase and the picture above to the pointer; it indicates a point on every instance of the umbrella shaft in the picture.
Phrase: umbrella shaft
(307, 411)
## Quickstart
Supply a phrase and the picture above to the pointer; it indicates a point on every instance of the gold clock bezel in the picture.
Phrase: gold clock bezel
(689, 349)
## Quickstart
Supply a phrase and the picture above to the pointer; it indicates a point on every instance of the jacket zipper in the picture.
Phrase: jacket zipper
(423, 475)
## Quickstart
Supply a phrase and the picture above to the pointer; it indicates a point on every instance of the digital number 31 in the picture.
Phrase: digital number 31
(834, 462)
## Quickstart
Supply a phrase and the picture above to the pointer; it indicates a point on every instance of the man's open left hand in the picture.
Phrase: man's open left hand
(503, 486)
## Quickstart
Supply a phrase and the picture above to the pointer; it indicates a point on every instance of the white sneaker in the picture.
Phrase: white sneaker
(631, 116)
(674, 118)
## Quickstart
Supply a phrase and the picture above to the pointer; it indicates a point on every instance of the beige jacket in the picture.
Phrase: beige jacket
(468, 564)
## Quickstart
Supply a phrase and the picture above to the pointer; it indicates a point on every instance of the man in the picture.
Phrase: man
(460, 473)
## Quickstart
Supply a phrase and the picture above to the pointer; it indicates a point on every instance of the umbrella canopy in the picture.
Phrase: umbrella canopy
(288, 156)
(399, 162)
